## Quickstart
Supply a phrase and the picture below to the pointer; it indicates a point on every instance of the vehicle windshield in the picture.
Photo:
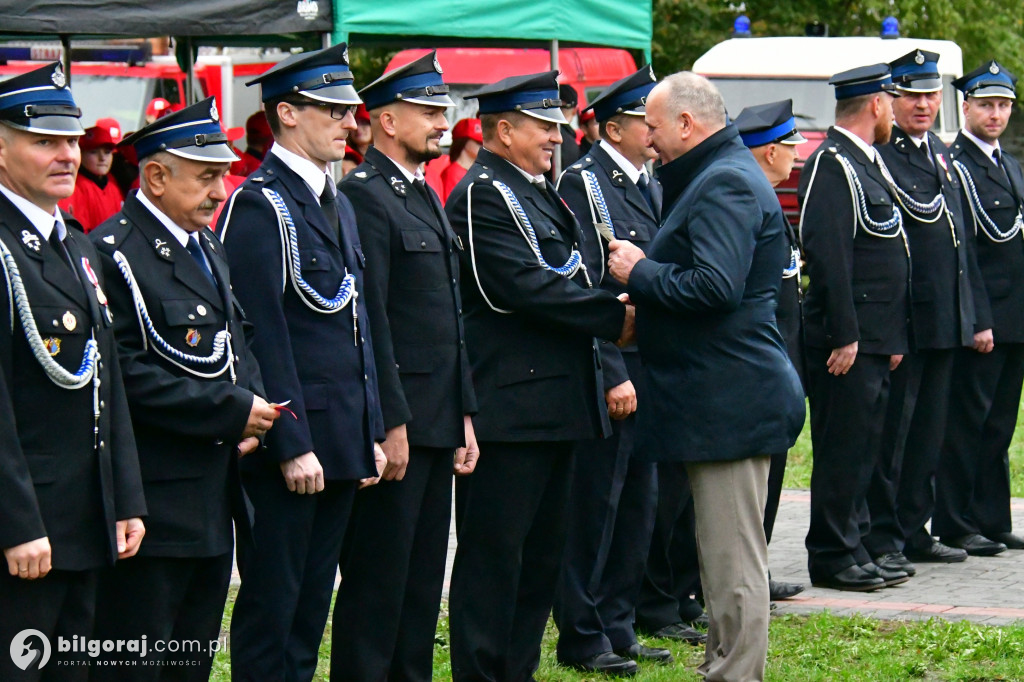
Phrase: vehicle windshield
(117, 97)
(813, 100)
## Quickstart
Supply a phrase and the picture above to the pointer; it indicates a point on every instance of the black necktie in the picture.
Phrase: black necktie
(998, 158)
(421, 187)
(196, 251)
(644, 187)
(58, 245)
(927, 154)
(541, 185)
(330, 210)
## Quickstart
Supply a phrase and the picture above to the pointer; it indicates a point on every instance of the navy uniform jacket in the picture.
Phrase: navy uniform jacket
(942, 298)
(536, 369)
(859, 283)
(187, 427)
(54, 480)
(412, 283)
(305, 356)
(632, 220)
(719, 383)
(1001, 263)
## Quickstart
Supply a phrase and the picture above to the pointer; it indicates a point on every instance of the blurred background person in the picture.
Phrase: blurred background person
(97, 196)
(257, 141)
(467, 138)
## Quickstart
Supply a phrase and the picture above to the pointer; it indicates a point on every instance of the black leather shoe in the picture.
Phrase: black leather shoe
(889, 577)
(936, 553)
(680, 633)
(1009, 539)
(779, 591)
(852, 579)
(976, 545)
(701, 622)
(639, 652)
(606, 663)
(895, 561)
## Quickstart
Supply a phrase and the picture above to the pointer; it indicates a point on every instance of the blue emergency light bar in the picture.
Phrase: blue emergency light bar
(129, 54)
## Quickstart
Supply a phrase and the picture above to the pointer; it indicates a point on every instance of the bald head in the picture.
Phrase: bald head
(683, 110)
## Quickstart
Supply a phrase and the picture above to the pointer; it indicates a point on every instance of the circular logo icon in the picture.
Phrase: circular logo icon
(437, 65)
(993, 68)
(919, 58)
(213, 111)
(24, 650)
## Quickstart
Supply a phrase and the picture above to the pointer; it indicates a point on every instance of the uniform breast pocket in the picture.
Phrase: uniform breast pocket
(64, 330)
(314, 260)
(191, 324)
(420, 241)
(632, 230)
(879, 203)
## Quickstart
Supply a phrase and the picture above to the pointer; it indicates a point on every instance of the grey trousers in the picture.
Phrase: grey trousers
(729, 499)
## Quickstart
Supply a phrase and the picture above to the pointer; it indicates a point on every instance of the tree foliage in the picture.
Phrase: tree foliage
(984, 29)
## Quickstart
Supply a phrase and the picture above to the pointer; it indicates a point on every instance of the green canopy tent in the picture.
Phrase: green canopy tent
(544, 23)
(610, 23)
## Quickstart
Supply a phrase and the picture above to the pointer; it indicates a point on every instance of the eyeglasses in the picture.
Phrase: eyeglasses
(337, 111)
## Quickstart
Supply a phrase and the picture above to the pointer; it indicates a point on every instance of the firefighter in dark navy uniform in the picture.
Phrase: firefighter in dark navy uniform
(532, 310)
(855, 322)
(973, 483)
(901, 497)
(770, 132)
(194, 390)
(394, 560)
(70, 492)
(611, 512)
(296, 245)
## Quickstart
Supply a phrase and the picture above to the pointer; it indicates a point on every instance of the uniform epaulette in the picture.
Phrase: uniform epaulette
(581, 164)
(256, 180)
(361, 174)
(113, 234)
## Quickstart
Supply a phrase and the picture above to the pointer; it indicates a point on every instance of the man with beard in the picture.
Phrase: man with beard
(532, 313)
(902, 493)
(973, 483)
(294, 248)
(194, 390)
(855, 322)
(394, 558)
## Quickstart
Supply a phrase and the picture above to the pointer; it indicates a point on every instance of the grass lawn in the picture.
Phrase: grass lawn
(816, 648)
(798, 466)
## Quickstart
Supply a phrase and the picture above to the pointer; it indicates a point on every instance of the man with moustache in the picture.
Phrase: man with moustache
(532, 315)
(855, 322)
(706, 294)
(297, 245)
(973, 482)
(943, 318)
(70, 493)
(611, 512)
(769, 132)
(394, 559)
(194, 390)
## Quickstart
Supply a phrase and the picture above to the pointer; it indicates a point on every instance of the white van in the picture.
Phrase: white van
(751, 71)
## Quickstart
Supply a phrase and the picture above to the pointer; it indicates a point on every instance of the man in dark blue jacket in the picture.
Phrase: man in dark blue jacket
(720, 393)
(295, 250)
